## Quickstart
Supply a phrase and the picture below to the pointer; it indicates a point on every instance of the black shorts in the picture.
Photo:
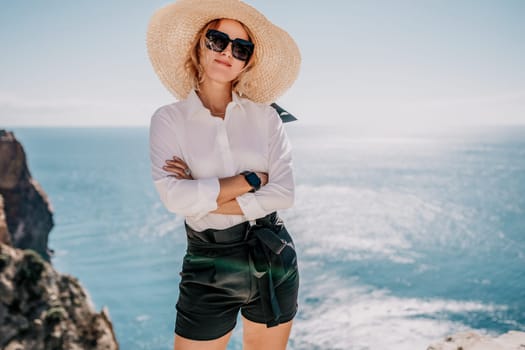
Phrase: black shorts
(218, 282)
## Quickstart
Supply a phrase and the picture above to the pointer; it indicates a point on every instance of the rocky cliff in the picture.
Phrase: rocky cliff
(4, 234)
(512, 340)
(40, 309)
(28, 213)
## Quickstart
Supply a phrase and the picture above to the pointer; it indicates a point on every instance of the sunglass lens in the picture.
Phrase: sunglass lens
(217, 41)
(241, 51)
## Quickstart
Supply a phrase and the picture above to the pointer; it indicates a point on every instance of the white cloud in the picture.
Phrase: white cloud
(18, 110)
(406, 113)
(367, 114)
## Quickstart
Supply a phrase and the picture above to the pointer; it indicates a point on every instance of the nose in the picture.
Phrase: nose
(228, 50)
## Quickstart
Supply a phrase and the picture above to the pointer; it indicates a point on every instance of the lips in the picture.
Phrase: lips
(225, 63)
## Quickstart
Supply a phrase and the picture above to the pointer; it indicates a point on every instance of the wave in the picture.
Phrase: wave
(344, 314)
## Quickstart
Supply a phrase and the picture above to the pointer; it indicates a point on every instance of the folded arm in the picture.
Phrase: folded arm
(182, 194)
(279, 192)
(179, 192)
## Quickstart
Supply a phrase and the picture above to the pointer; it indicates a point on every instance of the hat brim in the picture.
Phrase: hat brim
(172, 30)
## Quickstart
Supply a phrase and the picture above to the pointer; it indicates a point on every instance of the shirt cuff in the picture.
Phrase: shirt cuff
(250, 206)
(208, 190)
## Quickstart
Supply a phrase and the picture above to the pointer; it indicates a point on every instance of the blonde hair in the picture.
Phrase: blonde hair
(195, 69)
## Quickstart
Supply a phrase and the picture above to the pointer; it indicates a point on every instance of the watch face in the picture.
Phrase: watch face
(253, 180)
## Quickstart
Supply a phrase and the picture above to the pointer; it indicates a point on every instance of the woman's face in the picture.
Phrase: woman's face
(222, 66)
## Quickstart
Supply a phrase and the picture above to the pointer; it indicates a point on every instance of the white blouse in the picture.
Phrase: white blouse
(250, 137)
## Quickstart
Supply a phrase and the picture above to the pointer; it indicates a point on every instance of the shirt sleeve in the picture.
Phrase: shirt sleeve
(279, 192)
(194, 198)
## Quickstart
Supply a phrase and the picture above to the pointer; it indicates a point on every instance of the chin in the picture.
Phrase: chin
(221, 77)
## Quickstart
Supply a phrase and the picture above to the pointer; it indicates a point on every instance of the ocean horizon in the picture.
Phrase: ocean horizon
(411, 237)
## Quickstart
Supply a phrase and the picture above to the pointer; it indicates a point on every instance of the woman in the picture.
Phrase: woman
(220, 157)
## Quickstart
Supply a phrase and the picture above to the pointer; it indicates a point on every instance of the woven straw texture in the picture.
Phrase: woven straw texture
(172, 29)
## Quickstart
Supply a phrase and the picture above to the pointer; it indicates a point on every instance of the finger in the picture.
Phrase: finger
(174, 161)
(174, 170)
(182, 167)
(178, 164)
(180, 160)
(177, 173)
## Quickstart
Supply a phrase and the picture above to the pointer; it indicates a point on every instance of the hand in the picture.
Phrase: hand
(178, 168)
(263, 177)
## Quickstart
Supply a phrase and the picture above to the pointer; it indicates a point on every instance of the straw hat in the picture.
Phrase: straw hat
(173, 28)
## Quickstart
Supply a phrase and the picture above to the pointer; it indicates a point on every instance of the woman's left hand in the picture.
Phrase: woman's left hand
(178, 168)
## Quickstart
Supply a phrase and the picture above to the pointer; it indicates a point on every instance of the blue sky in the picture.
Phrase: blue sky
(369, 64)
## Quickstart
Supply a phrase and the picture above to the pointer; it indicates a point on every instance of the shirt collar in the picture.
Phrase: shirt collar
(194, 103)
(236, 99)
(196, 107)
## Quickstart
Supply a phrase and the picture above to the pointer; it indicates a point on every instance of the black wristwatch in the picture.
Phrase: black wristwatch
(252, 179)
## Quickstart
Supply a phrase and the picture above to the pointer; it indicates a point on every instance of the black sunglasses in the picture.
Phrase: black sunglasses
(218, 42)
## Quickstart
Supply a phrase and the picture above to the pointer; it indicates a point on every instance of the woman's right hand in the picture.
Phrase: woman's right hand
(178, 168)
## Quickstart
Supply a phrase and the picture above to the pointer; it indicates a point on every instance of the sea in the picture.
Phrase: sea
(401, 240)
